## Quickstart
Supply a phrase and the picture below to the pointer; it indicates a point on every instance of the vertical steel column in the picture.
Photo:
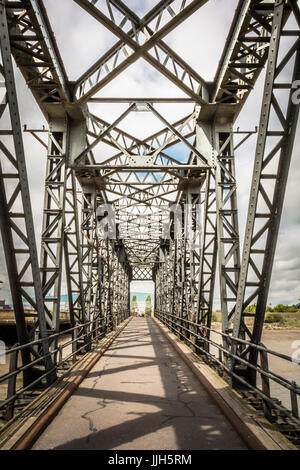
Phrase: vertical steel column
(115, 284)
(101, 267)
(95, 311)
(170, 280)
(161, 301)
(192, 232)
(89, 244)
(53, 227)
(17, 226)
(123, 282)
(106, 292)
(177, 273)
(208, 245)
(169, 276)
(180, 276)
(72, 251)
(227, 226)
(110, 275)
(273, 154)
(106, 281)
(208, 254)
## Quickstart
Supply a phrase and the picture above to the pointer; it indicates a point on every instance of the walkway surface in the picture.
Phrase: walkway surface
(140, 395)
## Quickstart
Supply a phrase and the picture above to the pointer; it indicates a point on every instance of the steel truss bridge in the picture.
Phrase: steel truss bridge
(141, 213)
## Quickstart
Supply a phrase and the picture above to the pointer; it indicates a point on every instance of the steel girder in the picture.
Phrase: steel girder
(52, 245)
(106, 273)
(147, 178)
(178, 268)
(227, 225)
(88, 248)
(271, 166)
(73, 252)
(141, 39)
(17, 227)
(247, 43)
(245, 52)
(35, 51)
(208, 254)
(196, 263)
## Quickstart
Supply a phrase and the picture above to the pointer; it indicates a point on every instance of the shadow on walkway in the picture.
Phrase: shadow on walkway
(145, 399)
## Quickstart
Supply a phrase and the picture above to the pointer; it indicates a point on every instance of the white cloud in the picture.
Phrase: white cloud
(144, 287)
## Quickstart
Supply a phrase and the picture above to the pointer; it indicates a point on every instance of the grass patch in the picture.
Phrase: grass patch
(274, 318)
(287, 319)
(283, 319)
(292, 322)
(214, 317)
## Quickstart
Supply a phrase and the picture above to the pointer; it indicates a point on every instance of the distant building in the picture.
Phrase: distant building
(4, 306)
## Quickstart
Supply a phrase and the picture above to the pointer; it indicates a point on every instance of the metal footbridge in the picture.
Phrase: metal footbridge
(119, 208)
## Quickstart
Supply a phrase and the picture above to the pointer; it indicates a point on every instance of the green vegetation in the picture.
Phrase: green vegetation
(282, 319)
(278, 308)
(148, 309)
(292, 322)
(274, 318)
(285, 308)
(283, 315)
(250, 309)
(215, 317)
(134, 304)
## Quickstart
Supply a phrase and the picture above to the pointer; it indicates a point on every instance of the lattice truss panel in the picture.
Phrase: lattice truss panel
(118, 207)
(140, 38)
(17, 227)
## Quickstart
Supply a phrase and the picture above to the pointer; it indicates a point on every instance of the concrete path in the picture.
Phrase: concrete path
(140, 395)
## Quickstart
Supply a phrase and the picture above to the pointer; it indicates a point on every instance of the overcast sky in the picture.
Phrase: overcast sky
(199, 40)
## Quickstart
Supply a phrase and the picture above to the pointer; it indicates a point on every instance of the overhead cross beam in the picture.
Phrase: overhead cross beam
(245, 52)
(170, 135)
(129, 48)
(35, 51)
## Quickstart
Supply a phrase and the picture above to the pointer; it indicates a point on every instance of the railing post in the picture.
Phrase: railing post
(60, 354)
(11, 386)
(96, 334)
(294, 402)
(74, 344)
(265, 383)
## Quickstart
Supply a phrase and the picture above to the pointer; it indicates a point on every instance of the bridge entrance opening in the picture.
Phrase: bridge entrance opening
(142, 298)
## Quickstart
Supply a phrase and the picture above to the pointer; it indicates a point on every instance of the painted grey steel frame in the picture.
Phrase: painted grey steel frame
(52, 244)
(19, 238)
(184, 276)
(260, 239)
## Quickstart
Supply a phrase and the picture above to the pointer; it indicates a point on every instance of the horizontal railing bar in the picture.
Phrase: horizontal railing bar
(174, 324)
(59, 349)
(280, 380)
(50, 337)
(242, 341)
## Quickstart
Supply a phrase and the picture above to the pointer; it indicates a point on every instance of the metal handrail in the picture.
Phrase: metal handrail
(170, 320)
(89, 339)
